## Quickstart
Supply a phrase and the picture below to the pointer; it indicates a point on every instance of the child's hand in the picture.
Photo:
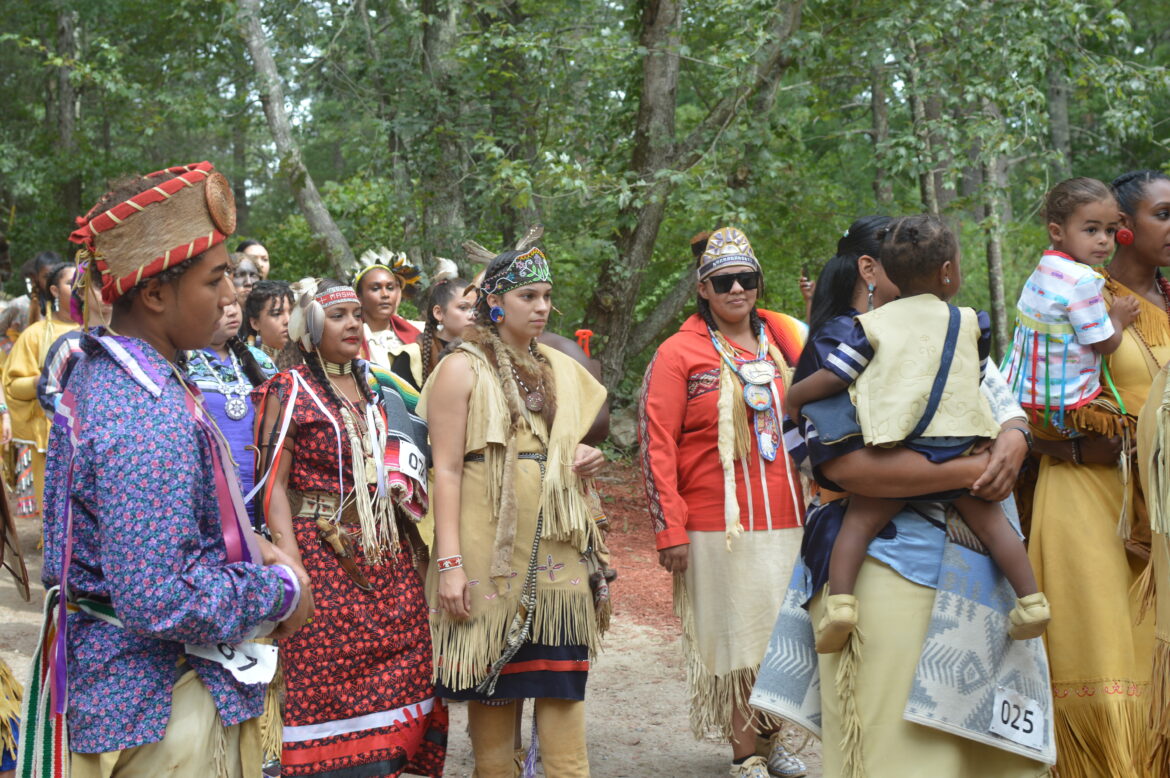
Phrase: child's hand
(791, 409)
(1124, 311)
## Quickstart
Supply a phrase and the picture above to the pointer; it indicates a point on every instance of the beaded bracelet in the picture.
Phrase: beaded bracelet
(1076, 452)
(3, 408)
(449, 562)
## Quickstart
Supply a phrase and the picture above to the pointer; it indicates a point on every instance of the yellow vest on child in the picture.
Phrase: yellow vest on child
(891, 394)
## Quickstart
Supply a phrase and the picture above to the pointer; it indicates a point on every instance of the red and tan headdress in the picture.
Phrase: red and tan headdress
(164, 226)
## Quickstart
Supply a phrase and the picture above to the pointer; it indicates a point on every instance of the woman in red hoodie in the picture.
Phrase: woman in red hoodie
(725, 498)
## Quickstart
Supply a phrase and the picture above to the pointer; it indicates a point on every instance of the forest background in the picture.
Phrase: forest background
(624, 126)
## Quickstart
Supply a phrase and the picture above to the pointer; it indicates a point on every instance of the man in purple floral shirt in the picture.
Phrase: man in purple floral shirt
(167, 584)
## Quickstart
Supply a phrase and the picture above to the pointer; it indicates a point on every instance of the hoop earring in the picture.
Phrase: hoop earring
(869, 297)
(496, 314)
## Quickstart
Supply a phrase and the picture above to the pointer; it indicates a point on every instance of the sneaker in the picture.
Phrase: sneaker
(838, 621)
(1030, 617)
(754, 767)
(782, 763)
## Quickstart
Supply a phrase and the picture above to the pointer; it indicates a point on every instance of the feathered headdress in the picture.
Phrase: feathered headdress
(397, 263)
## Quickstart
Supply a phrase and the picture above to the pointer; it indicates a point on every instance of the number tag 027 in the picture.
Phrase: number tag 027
(1018, 718)
(411, 461)
(249, 662)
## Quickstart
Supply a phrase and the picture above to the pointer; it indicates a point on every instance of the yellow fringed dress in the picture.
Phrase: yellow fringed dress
(565, 629)
(1099, 651)
(22, 369)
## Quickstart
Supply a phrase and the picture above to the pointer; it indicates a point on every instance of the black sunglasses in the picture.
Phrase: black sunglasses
(723, 284)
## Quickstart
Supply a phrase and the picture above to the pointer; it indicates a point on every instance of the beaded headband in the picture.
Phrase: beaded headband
(726, 247)
(528, 268)
(336, 296)
(164, 226)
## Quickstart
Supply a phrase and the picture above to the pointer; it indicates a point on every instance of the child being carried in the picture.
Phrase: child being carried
(913, 369)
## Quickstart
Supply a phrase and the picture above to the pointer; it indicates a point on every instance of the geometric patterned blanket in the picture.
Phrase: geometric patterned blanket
(966, 671)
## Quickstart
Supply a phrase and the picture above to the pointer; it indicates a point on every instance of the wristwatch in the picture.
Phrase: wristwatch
(1027, 433)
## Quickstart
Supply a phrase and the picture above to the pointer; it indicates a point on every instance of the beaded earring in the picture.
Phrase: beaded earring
(869, 296)
(496, 314)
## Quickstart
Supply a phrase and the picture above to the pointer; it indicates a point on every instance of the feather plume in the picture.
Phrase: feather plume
(476, 253)
(533, 234)
(445, 270)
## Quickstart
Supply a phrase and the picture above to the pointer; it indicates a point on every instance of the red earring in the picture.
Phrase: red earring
(1125, 236)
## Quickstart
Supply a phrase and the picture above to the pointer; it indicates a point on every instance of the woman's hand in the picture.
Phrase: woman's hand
(675, 558)
(588, 461)
(454, 593)
(5, 429)
(1008, 451)
(1099, 450)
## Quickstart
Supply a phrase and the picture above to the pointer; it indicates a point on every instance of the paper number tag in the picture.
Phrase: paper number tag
(1018, 718)
(411, 461)
(249, 662)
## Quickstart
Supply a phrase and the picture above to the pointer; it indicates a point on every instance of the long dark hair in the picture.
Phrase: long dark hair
(833, 295)
(262, 293)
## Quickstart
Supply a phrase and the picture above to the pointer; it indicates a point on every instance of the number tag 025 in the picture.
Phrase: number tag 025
(249, 662)
(1018, 718)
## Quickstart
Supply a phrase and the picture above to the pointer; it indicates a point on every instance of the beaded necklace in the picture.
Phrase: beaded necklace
(758, 377)
(235, 405)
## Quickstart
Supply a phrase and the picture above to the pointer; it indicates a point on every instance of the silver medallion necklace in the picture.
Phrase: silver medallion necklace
(235, 405)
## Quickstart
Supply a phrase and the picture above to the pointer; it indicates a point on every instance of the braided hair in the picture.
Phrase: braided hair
(1129, 188)
(915, 246)
(440, 294)
(248, 363)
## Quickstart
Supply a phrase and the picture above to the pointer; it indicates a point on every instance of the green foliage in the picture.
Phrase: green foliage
(531, 112)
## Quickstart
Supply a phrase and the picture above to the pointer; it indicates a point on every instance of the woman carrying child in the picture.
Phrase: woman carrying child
(938, 412)
(1085, 554)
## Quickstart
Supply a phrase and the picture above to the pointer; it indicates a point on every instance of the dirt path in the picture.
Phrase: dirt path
(637, 712)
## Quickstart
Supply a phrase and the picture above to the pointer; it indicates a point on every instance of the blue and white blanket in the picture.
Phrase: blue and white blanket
(966, 659)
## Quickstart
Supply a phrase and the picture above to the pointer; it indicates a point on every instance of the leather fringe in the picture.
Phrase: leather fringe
(1100, 737)
(10, 696)
(848, 667)
(1160, 710)
(714, 698)
(562, 617)
(271, 720)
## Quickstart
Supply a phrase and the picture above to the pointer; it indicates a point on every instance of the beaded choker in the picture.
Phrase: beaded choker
(334, 368)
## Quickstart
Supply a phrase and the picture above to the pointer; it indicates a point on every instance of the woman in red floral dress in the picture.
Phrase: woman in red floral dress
(360, 700)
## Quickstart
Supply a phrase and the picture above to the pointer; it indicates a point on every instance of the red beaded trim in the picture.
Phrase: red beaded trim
(449, 562)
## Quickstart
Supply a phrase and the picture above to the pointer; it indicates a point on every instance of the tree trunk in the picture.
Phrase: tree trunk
(443, 209)
(611, 309)
(67, 110)
(1058, 123)
(665, 313)
(993, 226)
(337, 249)
(926, 161)
(240, 154)
(883, 190)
